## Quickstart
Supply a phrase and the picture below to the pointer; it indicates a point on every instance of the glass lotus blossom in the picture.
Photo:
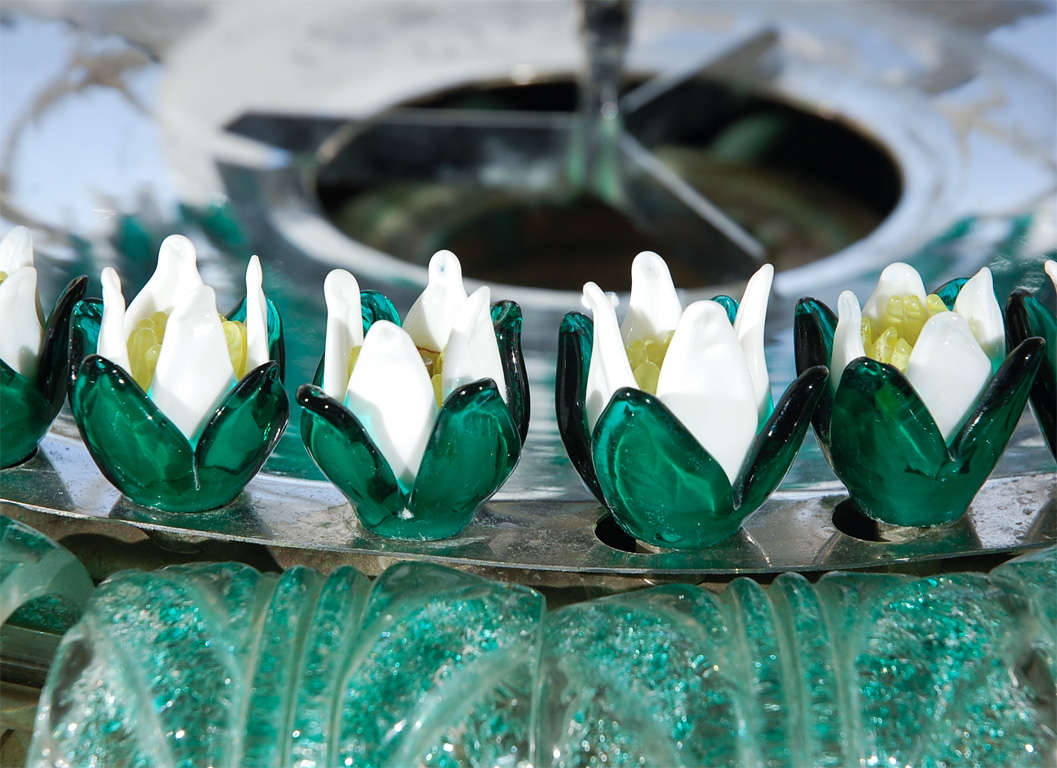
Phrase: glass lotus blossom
(1027, 315)
(33, 351)
(419, 424)
(669, 418)
(178, 406)
(922, 398)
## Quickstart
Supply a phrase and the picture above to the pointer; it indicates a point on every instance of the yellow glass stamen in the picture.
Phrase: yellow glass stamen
(3, 275)
(646, 357)
(892, 339)
(144, 346)
(354, 355)
(235, 336)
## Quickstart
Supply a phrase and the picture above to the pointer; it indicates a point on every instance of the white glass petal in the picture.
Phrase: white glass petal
(948, 369)
(610, 369)
(897, 279)
(175, 277)
(749, 327)
(1051, 270)
(256, 317)
(391, 394)
(344, 330)
(16, 250)
(194, 370)
(430, 318)
(472, 352)
(705, 382)
(113, 341)
(847, 338)
(654, 308)
(976, 302)
(22, 329)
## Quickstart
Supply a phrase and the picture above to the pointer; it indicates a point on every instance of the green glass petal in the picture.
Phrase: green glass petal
(472, 450)
(53, 374)
(978, 445)
(776, 445)
(276, 345)
(1026, 316)
(506, 319)
(661, 485)
(887, 450)
(24, 416)
(240, 435)
(138, 449)
(570, 389)
(348, 457)
(813, 327)
(376, 306)
(949, 291)
(728, 304)
(84, 331)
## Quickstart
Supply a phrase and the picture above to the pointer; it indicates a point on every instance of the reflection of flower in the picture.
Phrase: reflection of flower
(33, 353)
(921, 402)
(1026, 316)
(418, 424)
(669, 419)
(178, 406)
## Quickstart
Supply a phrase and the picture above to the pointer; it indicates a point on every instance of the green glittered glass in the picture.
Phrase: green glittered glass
(217, 664)
(662, 487)
(27, 407)
(881, 440)
(1027, 315)
(42, 586)
(474, 446)
(141, 452)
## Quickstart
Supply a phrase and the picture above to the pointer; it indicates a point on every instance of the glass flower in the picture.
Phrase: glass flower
(669, 418)
(178, 406)
(33, 352)
(1027, 315)
(417, 425)
(921, 399)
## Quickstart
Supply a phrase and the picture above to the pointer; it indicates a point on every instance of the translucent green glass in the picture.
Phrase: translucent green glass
(216, 664)
(884, 445)
(661, 485)
(813, 327)
(506, 320)
(888, 452)
(776, 445)
(27, 407)
(150, 461)
(42, 586)
(472, 450)
(141, 452)
(348, 457)
(1026, 316)
(570, 387)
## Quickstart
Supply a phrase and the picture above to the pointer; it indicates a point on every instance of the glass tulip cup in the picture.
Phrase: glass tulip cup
(34, 360)
(148, 455)
(903, 461)
(641, 460)
(470, 440)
